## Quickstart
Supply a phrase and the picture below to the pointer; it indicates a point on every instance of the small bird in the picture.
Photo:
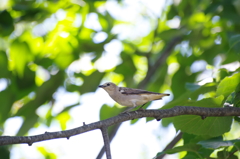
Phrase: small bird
(130, 97)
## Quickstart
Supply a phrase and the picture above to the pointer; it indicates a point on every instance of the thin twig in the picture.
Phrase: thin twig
(231, 154)
(171, 144)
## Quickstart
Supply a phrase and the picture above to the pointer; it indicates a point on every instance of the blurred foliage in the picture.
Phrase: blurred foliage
(40, 41)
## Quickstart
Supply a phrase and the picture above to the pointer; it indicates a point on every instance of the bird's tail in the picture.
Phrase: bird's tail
(160, 95)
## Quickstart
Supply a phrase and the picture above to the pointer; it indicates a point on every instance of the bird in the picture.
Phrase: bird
(130, 97)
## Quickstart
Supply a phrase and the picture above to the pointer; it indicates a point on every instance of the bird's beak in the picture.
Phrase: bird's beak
(101, 86)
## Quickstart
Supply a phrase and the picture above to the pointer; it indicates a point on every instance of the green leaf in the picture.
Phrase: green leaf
(25, 83)
(191, 138)
(234, 43)
(222, 73)
(63, 60)
(63, 118)
(6, 23)
(237, 145)
(212, 7)
(158, 80)
(166, 121)
(184, 98)
(211, 126)
(108, 112)
(228, 85)
(208, 87)
(4, 65)
(179, 101)
(207, 102)
(192, 86)
(225, 154)
(188, 147)
(4, 151)
(28, 123)
(217, 143)
(205, 152)
(49, 117)
(180, 75)
(188, 138)
(168, 35)
(236, 100)
(173, 11)
(7, 99)
(20, 55)
(192, 147)
(91, 82)
(191, 155)
(127, 65)
(46, 154)
(43, 94)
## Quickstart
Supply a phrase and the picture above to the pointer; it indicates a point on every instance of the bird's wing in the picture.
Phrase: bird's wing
(125, 90)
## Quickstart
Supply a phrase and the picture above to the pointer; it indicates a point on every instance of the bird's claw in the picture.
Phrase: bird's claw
(125, 112)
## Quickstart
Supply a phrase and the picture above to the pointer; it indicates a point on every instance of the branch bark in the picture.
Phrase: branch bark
(112, 134)
(158, 114)
(106, 142)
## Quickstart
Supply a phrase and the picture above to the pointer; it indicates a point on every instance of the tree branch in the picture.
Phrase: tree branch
(158, 114)
(112, 134)
(106, 142)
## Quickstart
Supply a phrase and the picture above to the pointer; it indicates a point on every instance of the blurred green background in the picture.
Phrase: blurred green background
(53, 50)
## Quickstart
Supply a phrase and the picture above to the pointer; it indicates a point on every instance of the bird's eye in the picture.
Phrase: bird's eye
(108, 84)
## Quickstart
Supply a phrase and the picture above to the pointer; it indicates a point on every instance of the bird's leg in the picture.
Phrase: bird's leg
(128, 109)
(140, 108)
